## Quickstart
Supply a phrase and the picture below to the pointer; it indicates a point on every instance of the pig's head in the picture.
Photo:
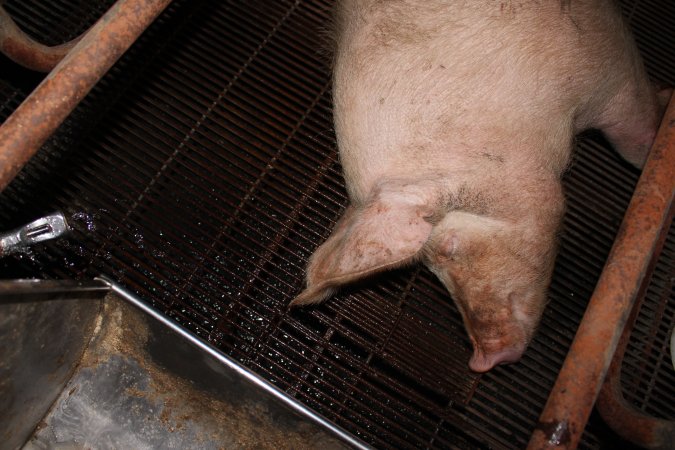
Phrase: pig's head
(497, 270)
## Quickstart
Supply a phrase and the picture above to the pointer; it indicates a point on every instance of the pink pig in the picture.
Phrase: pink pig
(455, 121)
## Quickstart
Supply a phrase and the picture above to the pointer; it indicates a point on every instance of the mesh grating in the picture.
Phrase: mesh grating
(201, 173)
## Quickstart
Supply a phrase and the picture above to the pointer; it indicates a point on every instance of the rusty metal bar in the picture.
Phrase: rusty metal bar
(626, 420)
(22, 49)
(50, 103)
(650, 211)
(632, 424)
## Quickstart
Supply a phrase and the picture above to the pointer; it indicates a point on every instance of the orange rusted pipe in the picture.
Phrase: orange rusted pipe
(65, 86)
(650, 211)
(20, 48)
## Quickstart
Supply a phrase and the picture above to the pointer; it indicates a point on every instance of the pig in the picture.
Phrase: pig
(455, 121)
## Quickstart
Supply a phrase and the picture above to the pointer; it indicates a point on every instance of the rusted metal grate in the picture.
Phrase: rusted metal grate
(202, 172)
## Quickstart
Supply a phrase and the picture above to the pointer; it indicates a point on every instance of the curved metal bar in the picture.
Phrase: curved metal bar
(650, 211)
(626, 420)
(46, 108)
(24, 50)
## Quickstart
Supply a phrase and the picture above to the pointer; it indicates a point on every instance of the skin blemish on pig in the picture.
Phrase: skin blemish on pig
(467, 199)
(565, 5)
(509, 7)
(493, 157)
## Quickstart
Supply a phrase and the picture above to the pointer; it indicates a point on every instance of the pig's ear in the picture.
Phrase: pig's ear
(384, 234)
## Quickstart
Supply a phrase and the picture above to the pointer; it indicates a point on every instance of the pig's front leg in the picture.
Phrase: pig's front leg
(631, 119)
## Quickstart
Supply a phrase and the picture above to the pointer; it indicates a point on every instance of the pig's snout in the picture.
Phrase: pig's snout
(487, 355)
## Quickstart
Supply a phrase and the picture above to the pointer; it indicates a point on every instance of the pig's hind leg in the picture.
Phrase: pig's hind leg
(632, 117)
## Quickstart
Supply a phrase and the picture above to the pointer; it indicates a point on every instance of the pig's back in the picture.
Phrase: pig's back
(429, 85)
